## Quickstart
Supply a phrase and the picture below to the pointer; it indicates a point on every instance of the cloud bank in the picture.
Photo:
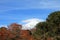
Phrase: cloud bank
(30, 23)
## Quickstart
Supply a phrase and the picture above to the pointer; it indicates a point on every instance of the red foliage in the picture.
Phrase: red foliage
(14, 32)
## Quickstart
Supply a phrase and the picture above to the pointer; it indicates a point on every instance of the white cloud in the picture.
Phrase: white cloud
(7, 5)
(3, 26)
(52, 4)
(30, 23)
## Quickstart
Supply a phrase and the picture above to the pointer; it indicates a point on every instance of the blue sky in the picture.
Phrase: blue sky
(15, 11)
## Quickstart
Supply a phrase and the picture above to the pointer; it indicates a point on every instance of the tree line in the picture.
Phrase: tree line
(14, 32)
(47, 30)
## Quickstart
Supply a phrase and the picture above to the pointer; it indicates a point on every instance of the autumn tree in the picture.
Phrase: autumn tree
(26, 35)
(15, 29)
(3, 33)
